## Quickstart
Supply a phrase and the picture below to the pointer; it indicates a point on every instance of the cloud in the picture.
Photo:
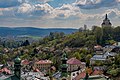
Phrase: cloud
(9, 3)
(94, 4)
(27, 10)
(6, 12)
(45, 10)
(42, 9)
(37, 1)
(24, 10)
(65, 11)
(113, 13)
(45, 13)
(59, 3)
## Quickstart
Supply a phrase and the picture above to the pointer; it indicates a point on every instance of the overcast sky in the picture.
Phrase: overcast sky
(58, 13)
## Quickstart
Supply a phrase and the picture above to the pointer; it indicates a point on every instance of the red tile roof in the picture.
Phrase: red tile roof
(89, 70)
(97, 72)
(80, 76)
(37, 70)
(5, 70)
(73, 61)
(25, 62)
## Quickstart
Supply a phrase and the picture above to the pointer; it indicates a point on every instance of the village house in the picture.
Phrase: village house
(98, 58)
(98, 49)
(75, 64)
(43, 64)
(91, 75)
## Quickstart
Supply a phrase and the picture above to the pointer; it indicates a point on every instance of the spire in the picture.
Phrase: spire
(17, 68)
(64, 65)
(106, 17)
(87, 76)
(106, 22)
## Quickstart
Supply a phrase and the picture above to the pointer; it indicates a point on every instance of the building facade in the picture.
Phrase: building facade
(43, 64)
(75, 64)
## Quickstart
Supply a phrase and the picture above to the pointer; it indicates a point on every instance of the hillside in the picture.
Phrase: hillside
(6, 31)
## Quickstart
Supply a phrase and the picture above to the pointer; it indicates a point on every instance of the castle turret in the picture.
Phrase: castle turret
(64, 65)
(17, 68)
(106, 22)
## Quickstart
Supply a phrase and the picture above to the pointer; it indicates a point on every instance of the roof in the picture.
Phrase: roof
(53, 68)
(99, 57)
(4, 77)
(92, 74)
(110, 54)
(80, 76)
(97, 46)
(44, 62)
(11, 77)
(25, 62)
(32, 75)
(36, 70)
(1, 65)
(73, 61)
(97, 72)
(5, 70)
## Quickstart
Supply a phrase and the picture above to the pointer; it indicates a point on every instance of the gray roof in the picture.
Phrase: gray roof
(8, 77)
(32, 75)
(110, 53)
(3, 77)
(99, 57)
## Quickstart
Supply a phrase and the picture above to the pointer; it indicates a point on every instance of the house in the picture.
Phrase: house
(90, 75)
(108, 48)
(110, 54)
(100, 67)
(17, 71)
(32, 75)
(43, 64)
(75, 64)
(98, 49)
(5, 70)
(25, 62)
(98, 58)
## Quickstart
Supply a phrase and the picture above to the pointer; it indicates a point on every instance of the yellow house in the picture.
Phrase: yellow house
(75, 64)
(43, 64)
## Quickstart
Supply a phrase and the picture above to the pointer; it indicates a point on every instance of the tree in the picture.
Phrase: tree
(98, 34)
(26, 43)
(88, 57)
(77, 55)
(117, 34)
(107, 34)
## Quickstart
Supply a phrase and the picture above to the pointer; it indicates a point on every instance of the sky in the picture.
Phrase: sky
(58, 13)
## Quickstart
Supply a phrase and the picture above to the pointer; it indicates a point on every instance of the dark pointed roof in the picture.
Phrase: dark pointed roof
(106, 17)
(64, 56)
(106, 21)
